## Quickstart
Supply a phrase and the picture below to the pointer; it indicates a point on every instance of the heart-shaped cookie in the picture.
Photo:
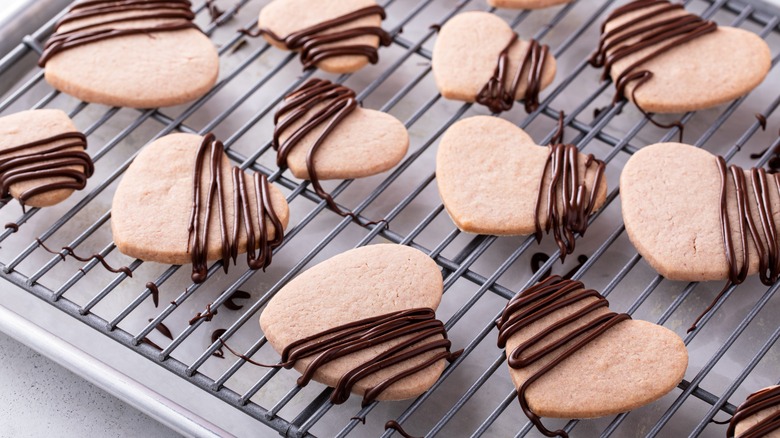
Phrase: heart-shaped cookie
(571, 357)
(337, 36)
(479, 58)
(42, 157)
(133, 54)
(525, 4)
(163, 205)
(357, 285)
(758, 416)
(671, 197)
(667, 60)
(490, 174)
(351, 142)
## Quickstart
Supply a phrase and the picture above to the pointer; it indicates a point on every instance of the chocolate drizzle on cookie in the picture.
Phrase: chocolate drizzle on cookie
(318, 103)
(51, 157)
(318, 42)
(568, 203)
(414, 332)
(498, 95)
(645, 33)
(766, 398)
(105, 19)
(540, 301)
(764, 239)
(211, 204)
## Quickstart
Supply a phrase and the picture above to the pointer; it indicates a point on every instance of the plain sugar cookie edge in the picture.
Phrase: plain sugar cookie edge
(758, 72)
(112, 94)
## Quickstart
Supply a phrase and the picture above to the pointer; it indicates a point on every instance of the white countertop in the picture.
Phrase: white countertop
(40, 398)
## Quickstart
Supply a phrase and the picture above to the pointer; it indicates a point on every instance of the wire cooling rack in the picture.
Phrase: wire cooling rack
(732, 351)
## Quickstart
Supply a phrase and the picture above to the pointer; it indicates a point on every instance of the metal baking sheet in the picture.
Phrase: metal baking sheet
(732, 355)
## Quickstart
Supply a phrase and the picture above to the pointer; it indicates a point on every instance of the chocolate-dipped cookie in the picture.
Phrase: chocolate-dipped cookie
(570, 356)
(43, 157)
(337, 36)
(508, 185)
(182, 202)
(131, 53)
(363, 322)
(668, 60)
(479, 58)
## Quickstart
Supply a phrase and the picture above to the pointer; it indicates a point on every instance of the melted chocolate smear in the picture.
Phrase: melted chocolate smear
(177, 13)
(415, 326)
(774, 161)
(540, 258)
(123, 269)
(237, 295)
(259, 249)
(12, 226)
(207, 316)
(435, 27)
(533, 304)
(215, 335)
(149, 342)
(640, 34)
(766, 398)
(761, 121)
(214, 11)
(537, 260)
(392, 424)
(162, 328)
(497, 97)
(360, 419)
(315, 43)
(302, 104)
(155, 293)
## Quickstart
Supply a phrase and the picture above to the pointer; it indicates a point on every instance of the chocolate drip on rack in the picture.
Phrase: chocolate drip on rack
(497, 97)
(416, 325)
(51, 161)
(177, 14)
(317, 102)
(259, 249)
(765, 240)
(392, 424)
(316, 42)
(568, 203)
(537, 302)
(758, 401)
(657, 36)
(71, 252)
(155, 293)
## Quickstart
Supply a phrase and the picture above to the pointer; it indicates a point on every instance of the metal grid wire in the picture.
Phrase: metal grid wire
(732, 350)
